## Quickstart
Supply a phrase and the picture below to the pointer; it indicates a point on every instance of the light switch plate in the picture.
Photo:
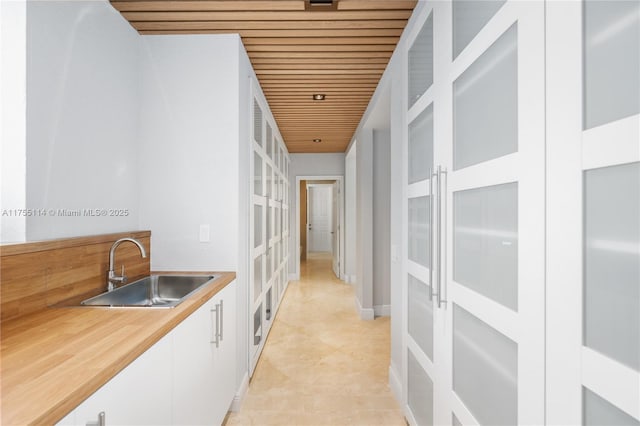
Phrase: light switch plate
(204, 233)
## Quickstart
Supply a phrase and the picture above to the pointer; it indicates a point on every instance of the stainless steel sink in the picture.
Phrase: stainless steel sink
(160, 291)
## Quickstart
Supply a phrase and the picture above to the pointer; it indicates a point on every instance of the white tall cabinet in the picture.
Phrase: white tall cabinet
(521, 207)
(269, 233)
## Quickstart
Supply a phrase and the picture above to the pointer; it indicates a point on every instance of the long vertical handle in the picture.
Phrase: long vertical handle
(430, 242)
(216, 331)
(102, 420)
(439, 232)
(221, 334)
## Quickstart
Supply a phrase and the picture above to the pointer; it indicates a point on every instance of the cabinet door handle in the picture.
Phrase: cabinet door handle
(432, 177)
(216, 330)
(102, 421)
(439, 230)
(221, 333)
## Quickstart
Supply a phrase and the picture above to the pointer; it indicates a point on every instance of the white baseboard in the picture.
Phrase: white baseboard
(345, 278)
(294, 277)
(395, 383)
(382, 310)
(366, 314)
(242, 391)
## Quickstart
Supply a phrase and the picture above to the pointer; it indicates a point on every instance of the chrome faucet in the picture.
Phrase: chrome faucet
(112, 278)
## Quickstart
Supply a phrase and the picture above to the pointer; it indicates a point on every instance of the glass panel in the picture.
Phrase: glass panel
(268, 226)
(597, 411)
(420, 318)
(484, 359)
(268, 305)
(269, 147)
(269, 265)
(455, 421)
(419, 231)
(485, 242)
(420, 392)
(612, 262)
(257, 326)
(611, 61)
(257, 174)
(421, 62)
(257, 277)
(257, 225)
(257, 123)
(469, 17)
(421, 146)
(269, 180)
(485, 104)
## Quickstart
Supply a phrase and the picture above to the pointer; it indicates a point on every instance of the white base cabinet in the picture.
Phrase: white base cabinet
(185, 378)
(204, 362)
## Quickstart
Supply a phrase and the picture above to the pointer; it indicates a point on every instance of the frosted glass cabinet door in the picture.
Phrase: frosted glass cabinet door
(485, 246)
(257, 123)
(421, 62)
(421, 146)
(257, 277)
(257, 225)
(612, 262)
(419, 230)
(257, 174)
(597, 411)
(420, 315)
(485, 98)
(420, 392)
(469, 17)
(485, 370)
(611, 60)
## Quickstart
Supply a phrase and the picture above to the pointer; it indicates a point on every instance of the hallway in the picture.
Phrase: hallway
(321, 365)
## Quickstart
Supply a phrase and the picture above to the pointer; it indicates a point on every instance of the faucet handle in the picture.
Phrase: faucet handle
(123, 276)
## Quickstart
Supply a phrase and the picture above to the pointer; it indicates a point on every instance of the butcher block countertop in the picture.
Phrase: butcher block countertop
(53, 360)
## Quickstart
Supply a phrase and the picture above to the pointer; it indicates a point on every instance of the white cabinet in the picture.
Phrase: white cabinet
(521, 199)
(473, 186)
(269, 229)
(185, 378)
(204, 362)
(138, 395)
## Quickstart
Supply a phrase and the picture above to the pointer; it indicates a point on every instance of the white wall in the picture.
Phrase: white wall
(381, 222)
(397, 244)
(189, 154)
(350, 214)
(364, 224)
(308, 165)
(82, 107)
(13, 88)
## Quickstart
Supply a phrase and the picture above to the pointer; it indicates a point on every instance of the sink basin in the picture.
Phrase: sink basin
(160, 291)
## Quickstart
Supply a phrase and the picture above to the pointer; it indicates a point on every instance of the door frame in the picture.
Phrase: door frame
(296, 249)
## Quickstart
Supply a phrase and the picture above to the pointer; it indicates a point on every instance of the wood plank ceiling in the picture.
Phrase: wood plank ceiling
(297, 49)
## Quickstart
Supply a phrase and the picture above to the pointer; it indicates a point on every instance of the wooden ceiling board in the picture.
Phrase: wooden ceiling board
(340, 51)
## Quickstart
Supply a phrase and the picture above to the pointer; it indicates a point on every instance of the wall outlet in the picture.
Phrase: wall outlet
(204, 233)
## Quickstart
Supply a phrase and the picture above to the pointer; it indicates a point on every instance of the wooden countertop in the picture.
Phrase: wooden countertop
(53, 360)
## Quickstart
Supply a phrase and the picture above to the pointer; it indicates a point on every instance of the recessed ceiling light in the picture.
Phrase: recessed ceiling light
(317, 140)
(318, 96)
(321, 5)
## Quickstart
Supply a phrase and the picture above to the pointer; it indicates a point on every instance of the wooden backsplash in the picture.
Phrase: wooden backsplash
(37, 275)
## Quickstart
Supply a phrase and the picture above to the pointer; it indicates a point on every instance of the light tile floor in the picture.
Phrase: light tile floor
(321, 364)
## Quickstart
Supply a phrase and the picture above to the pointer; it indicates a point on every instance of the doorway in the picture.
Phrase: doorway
(319, 222)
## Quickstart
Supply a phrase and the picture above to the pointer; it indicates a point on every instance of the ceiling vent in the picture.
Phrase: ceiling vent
(321, 5)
